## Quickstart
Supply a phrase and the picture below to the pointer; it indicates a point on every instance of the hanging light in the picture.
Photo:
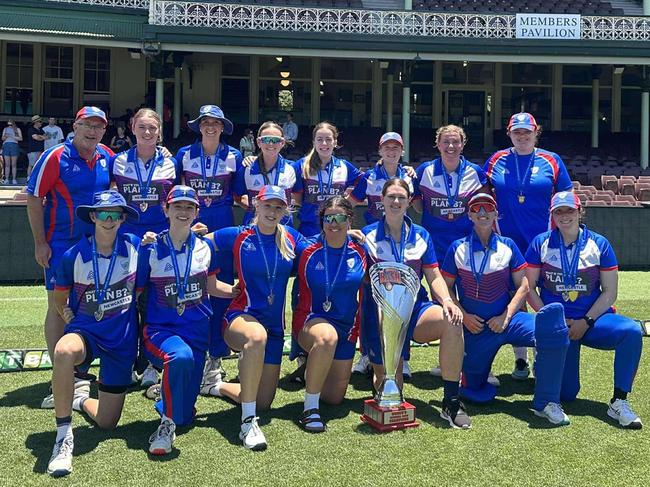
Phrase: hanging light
(279, 59)
(285, 82)
(285, 74)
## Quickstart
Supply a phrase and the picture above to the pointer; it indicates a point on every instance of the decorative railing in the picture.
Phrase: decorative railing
(359, 21)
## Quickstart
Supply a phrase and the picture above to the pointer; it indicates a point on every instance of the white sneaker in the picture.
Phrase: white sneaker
(406, 370)
(554, 414)
(212, 374)
(135, 377)
(162, 440)
(48, 402)
(251, 434)
(493, 380)
(81, 393)
(149, 377)
(60, 463)
(621, 411)
(362, 366)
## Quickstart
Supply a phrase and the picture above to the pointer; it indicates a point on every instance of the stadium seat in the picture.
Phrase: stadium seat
(609, 182)
(596, 203)
(623, 203)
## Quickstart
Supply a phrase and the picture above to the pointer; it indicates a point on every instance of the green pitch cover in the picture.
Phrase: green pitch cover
(17, 360)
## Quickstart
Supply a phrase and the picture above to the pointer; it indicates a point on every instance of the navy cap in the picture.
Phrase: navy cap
(212, 111)
(106, 199)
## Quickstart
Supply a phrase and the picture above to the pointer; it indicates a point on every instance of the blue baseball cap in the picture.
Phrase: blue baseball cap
(566, 199)
(212, 111)
(91, 112)
(522, 120)
(182, 193)
(388, 136)
(270, 192)
(106, 199)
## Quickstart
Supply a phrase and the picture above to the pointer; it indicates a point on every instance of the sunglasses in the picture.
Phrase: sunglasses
(338, 218)
(486, 207)
(270, 139)
(104, 215)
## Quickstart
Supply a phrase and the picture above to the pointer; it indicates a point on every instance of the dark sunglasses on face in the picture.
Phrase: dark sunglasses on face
(270, 139)
(104, 215)
(486, 207)
(338, 218)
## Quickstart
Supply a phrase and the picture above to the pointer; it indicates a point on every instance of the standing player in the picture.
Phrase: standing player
(179, 272)
(523, 179)
(396, 238)
(485, 268)
(268, 168)
(67, 176)
(264, 253)
(94, 296)
(326, 323)
(209, 166)
(577, 268)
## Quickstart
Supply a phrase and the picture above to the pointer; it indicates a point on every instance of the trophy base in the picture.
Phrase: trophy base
(389, 419)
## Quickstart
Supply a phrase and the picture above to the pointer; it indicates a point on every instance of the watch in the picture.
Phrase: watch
(590, 321)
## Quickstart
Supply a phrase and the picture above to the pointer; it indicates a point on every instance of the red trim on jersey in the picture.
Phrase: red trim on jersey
(613, 268)
(447, 274)
(553, 163)
(62, 288)
(430, 266)
(521, 267)
(534, 266)
(240, 303)
(157, 352)
(356, 199)
(354, 332)
(303, 309)
(494, 159)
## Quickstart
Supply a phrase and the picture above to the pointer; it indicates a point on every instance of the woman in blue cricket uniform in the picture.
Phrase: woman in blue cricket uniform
(486, 269)
(326, 323)
(523, 179)
(94, 295)
(577, 268)
(209, 166)
(254, 323)
(396, 238)
(144, 176)
(268, 168)
(369, 188)
(178, 272)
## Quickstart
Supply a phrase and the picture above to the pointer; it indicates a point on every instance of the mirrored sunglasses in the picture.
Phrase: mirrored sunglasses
(104, 215)
(338, 218)
(270, 139)
(486, 207)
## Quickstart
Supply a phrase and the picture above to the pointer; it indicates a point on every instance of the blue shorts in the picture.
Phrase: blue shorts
(10, 149)
(115, 366)
(274, 338)
(345, 348)
(374, 341)
(58, 247)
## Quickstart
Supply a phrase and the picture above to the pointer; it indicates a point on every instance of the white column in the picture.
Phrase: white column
(497, 97)
(406, 121)
(315, 91)
(408, 4)
(377, 76)
(617, 79)
(646, 7)
(595, 96)
(645, 126)
(390, 86)
(160, 93)
(556, 98)
(177, 102)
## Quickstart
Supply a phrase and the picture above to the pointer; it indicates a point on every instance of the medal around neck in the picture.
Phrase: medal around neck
(394, 289)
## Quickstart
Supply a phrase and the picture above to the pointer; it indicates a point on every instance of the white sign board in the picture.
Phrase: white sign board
(548, 26)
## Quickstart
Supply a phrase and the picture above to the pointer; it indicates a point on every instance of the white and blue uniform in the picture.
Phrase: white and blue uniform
(369, 187)
(144, 185)
(177, 330)
(523, 186)
(417, 252)
(263, 277)
(249, 180)
(335, 297)
(444, 199)
(112, 338)
(483, 282)
(213, 177)
(332, 180)
(570, 275)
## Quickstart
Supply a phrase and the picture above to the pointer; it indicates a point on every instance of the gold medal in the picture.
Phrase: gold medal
(180, 308)
(450, 216)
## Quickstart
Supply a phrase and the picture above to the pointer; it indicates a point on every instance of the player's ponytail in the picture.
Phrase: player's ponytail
(287, 250)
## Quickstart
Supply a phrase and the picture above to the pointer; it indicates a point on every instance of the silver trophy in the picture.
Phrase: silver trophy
(394, 288)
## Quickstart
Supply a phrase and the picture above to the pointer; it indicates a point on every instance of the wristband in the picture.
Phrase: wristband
(590, 321)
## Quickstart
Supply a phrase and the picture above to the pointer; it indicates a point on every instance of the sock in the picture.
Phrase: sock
(450, 388)
(78, 403)
(311, 401)
(619, 394)
(63, 427)
(248, 409)
(215, 390)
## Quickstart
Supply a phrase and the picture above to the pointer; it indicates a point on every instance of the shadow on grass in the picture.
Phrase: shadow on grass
(29, 396)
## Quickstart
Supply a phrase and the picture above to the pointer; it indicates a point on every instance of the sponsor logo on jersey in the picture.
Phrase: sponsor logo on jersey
(76, 168)
(350, 263)
(168, 267)
(320, 266)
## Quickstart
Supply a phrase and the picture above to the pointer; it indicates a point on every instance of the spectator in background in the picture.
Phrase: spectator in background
(290, 130)
(53, 133)
(35, 142)
(11, 135)
(247, 143)
(121, 142)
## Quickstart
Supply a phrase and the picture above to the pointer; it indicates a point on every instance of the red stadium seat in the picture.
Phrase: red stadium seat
(596, 203)
(609, 182)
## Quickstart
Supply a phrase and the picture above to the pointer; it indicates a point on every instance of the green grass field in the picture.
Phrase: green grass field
(507, 444)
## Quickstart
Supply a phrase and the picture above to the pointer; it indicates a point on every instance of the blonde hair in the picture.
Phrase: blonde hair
(287, 251)
(260, 155)
(312, 163)
(148, 112)
(451, 128)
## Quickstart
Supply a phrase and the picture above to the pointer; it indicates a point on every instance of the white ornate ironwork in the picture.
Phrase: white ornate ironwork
(361, 21)
(135, 4)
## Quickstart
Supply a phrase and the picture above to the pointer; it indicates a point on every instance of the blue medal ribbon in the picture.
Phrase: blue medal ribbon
(460, 171)
(276, 168)
(570, 269)
(144, 188)
(270, 278)
(383, 174)
(486, 257)
(327, 304)
(521, 183)
(398, 254)
(329, 169)
(181, 285)
(101, 290)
